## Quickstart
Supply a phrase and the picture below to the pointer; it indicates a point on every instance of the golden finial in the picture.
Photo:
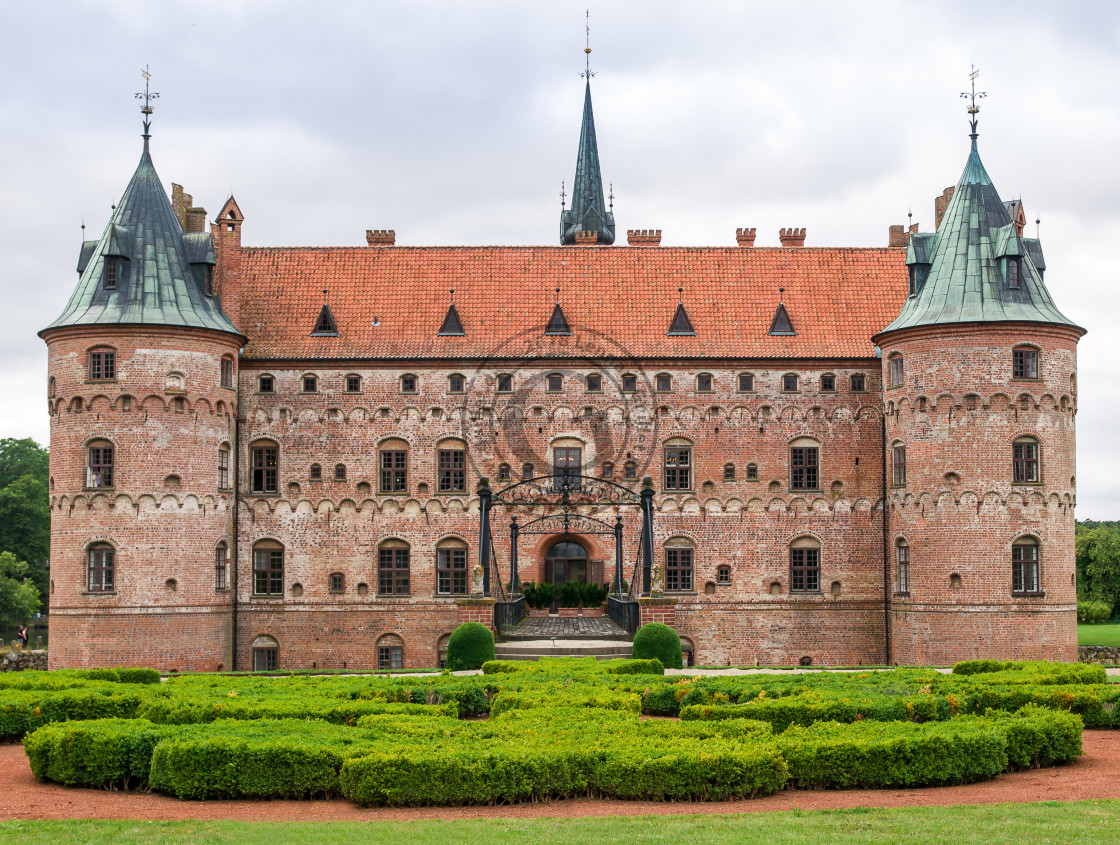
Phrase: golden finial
(588, 73)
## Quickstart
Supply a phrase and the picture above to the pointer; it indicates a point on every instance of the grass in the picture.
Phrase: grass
(1082, 822)
(1106, 634)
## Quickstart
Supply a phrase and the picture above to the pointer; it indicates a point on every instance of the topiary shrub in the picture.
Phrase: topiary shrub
(470, 645)
(1093, 612)
(657, 640)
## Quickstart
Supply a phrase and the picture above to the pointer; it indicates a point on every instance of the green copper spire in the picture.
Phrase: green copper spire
(589, 211)
(976, 267)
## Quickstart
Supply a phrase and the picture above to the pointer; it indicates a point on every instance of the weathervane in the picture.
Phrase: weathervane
(588, 72)
(973, 96)
(612, 197)
(563, 196)
(147, 96)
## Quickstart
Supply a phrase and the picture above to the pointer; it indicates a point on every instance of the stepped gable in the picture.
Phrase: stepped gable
(626, 294)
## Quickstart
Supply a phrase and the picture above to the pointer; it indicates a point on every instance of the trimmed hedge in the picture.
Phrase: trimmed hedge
(652, 666)
(470, 645)
(655, 640)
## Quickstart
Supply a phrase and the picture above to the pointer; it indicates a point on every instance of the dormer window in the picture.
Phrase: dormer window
(1013, 273)
(913, 280)
(112, 273)
(209, 279)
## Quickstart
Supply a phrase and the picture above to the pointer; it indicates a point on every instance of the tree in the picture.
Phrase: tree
(25, 520)
(22, 457)
(1098, 564)
(19, 600)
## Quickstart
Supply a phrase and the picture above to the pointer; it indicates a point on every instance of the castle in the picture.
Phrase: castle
(292, 457)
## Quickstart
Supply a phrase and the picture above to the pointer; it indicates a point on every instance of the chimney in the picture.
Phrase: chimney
(381, 237)
(745, 237)
(940, 204)
(196, 219)
(177, 205)
(643, 237)
(792, 237)
(587, 238)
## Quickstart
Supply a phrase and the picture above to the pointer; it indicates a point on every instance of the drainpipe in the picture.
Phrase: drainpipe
(234, 546)
(886, 551)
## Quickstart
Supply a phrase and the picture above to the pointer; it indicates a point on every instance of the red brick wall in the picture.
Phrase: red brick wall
(965, 525)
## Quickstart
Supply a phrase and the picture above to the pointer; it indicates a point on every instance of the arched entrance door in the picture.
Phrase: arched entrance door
(565, 561)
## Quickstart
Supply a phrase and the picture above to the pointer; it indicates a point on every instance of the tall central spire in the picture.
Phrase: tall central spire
(589, 211)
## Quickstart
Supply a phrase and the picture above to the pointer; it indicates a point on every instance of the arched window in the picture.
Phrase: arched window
(567, 463)
(265, 654)
(101, 559)
(102, 364)
(729, 472)
(680, 562)
(451, 463)
(393, 568)
(805, 566)
(310, 383)
(629, 383)
(595, 383)
(336, 582)
(451, 568)
(678, 464)
(902, 554)
(565, 561)
(390, 652)
(101, 464)
(898, 464)
(226, 372)
(804, 464)
(1025, 579)
(268, 568)
(221, 566)
(1026, 460)
(223, 467)
(264, 460)
(894, 371)
(1024, 362)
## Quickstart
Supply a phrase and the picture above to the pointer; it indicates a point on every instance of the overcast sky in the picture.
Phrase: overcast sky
(454, 123)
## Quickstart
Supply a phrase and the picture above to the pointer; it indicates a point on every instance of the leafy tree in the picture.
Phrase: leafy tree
(1098, 564)
(19, 599)
(22, 457)
(25, 520)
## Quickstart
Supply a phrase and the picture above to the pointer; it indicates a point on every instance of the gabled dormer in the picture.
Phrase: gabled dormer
(919, 256)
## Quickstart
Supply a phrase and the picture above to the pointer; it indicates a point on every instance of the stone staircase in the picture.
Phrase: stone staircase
(553, 636)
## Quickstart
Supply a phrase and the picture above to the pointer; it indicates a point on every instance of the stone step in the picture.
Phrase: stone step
(536, 649)
(566, 628)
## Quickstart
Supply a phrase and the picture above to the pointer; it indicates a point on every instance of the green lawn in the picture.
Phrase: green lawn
(1081, 822)
(1107, 634)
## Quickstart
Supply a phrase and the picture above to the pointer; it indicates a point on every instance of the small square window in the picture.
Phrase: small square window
(1025, 363)
(337, 582)
(789, 383)
(629, 384)
(828, 383)
(316, 472)
(555, 383)
(594, 383)
(723, 575)
(266, 384)
(746, 383)
(503, 472)
(704, 382)
(505, 383)
(664, 382)
(455, 384)
(103, 365)
(353, 384)
(310, 384)
(408, 384)
(859, 383)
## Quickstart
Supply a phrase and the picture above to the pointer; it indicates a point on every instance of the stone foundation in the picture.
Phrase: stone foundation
(20, 659)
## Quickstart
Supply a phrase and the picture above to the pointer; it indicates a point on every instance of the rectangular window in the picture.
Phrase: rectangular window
(678, 468)
(608, 470)
(451, 572)
(337, 583)
(752, 472)
(452, 471)
(102, 365)
(1025, 363)
(704, 383)
(210, 280)
(390, 657)
(629, 384)
(101, 561)
(746, 383)
(100, 472)
(804, 570)
(340, 472)
(268, 572)
(894, 367)
(664, 382)
(265, 659)
(803, 468)
(392, 572)
(353, 384)
(394, 471)
(594, 383)
(221, 568)
(859, 383)
(1024, 569)
(630, 470)
(112, 273)
(408, 384)
(555, 383)
(1013, 273)
(316, 472)
(455, 384)
(828, 383)
(223, 469)
(678, 570)
(789, 383)
(505, 384)
(264, 466)
(267, 384)
(310, 384)
(1025, 462)
(227, 372)
(898, 464)
(903, 570)
(567, 466)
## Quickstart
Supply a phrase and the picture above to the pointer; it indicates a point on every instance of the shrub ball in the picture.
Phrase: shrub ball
(655, 639)
(470, 646)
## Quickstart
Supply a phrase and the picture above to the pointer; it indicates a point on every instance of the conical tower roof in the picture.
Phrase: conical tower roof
(589, 211)
(162, 272)
(965, 264)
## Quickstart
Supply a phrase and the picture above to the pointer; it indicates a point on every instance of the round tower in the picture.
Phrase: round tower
(979, 376)
(142, 369)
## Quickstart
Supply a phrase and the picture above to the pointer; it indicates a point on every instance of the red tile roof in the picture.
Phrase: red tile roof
(619, 301)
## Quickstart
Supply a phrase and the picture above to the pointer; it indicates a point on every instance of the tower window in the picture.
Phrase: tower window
(898, 465)
(913, 274)
(99, 472)
(1013, 273)
(894, 371)
(1025, 363)
(268, 570)
(1024, 567)
(1025, 461)
(223, 468)
(102, 365)
(264, 460)
(101, 561)
(221, 567)
(226, 372)
(903, 555)
(209, 279)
